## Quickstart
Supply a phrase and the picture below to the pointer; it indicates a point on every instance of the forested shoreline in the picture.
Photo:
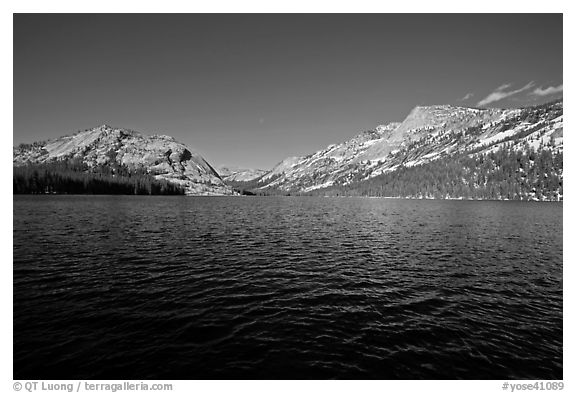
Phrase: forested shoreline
(75, 177)
(507, 173)
(502, 174)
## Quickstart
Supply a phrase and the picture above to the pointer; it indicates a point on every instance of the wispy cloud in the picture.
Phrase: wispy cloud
(504, 86)
(467, 96)
(500, 93)
(547, 91)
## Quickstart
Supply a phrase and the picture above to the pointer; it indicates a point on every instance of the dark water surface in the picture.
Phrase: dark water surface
(126, 287)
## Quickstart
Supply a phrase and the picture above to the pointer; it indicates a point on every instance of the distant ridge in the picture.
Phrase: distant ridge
(440, 135)
(438, 151)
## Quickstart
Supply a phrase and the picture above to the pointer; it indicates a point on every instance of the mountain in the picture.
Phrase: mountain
(326, 167)
(118, 152)
(235, 174)
(437, 138)
(439, 151)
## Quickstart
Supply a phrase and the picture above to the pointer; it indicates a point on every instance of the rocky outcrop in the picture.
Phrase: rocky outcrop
(159, 155)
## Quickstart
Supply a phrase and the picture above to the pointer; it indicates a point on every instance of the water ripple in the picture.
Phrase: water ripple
(243, 288)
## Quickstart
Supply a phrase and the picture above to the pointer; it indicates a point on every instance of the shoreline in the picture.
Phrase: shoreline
(308, 196)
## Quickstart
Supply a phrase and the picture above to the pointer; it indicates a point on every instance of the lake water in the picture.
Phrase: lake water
(122, 287)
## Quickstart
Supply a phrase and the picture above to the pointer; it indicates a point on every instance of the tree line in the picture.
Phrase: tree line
(507, 173)
(75, 177)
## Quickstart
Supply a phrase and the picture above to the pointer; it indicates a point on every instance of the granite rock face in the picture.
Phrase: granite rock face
(159, 155)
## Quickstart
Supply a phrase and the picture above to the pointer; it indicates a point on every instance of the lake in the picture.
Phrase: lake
(128, 287)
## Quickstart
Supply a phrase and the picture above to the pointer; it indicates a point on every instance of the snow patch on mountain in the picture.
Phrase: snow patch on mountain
(428, 133)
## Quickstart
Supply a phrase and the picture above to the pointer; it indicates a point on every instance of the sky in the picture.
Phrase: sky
(249, 90)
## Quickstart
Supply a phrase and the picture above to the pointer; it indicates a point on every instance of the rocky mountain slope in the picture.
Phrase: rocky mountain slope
(106, 147)
(232, 174)
(438, 151)
(428, 134)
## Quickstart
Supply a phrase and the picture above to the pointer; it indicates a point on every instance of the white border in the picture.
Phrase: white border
(300, 6)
